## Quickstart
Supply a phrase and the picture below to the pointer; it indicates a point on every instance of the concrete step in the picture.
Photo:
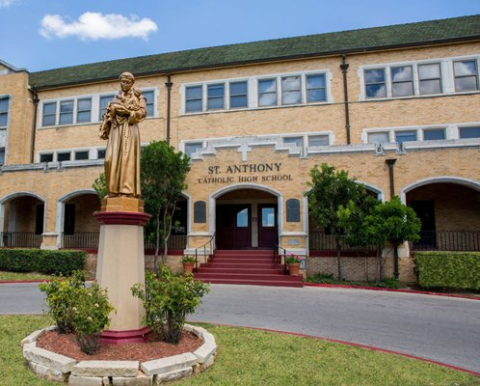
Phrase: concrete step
(282, 283)
(240, 276)
(245, 271)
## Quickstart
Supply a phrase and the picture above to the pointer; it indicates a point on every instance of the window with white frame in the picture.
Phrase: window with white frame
(64, 156)
(149, 97)
(318, 140)
(405, 136)
(4, 105)
(100, 153)
(378, 137)
(291, 90)
(402, 81)
(81, 155)
(267, 92)
(194, 99)
(469, 132)
(433, 134)
(429, 78)
(466, 75)
(84, 110)
(103, 104)
(375, 85)
(46, 157)
(192, 147)
(316, 88)
(2, 155)
(49, 114)
(238, 95)
(216, 96)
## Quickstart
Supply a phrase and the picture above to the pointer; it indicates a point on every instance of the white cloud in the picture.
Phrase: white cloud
(7, 3)
(94, 26)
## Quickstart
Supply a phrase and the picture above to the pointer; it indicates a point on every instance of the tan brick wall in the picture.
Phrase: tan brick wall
(85, 206)
(20, 116)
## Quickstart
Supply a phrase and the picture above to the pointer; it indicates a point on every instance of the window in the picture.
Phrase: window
(402, 81)
(242, 218)
(318, 140)
(469, 132)
(2, 156)
(4, 104)
(81, 155)
(49, 114)
(466, 75)
(215, 96)
(433, 134)
(238, 95)
(375, 83)
(430, 80)
(84, 110)
(149, 96)
(316, 90)
(291, 90)
(194, 99)
(101, 153)
(46, 157)
(66, 112)
(63, 156)
(382, 137)
(405, 136)
(297, 141)
(267, 92)
(268, 217)
(191, 148)
(103, 104)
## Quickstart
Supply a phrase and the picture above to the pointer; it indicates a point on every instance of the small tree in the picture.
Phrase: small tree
(401, 225)
(163, 173)
(100, 186)
(332, 190)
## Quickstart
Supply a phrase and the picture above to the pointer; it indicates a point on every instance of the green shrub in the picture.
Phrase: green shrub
(168, 300)
(90, 316)
(453, 270)
(61, 299)
(41, 260)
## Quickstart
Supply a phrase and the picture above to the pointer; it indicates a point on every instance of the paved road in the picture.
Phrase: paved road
(437, 328)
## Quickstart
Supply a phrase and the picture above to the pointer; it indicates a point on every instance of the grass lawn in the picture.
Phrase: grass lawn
(18, 276)
(249, 357)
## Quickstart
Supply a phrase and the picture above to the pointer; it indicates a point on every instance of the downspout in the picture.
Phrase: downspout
(344, 66)
(390, 162)
(35, 101)
(169, 85)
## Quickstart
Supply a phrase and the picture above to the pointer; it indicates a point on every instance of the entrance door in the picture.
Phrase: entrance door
(234, 226)
(425, 211)
(267, 226)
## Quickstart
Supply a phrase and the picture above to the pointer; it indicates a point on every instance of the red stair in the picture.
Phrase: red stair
(251, 267)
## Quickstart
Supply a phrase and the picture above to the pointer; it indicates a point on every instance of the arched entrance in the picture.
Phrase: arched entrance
(449, 209)
(247, 217)
(22, 220)
(75, 221)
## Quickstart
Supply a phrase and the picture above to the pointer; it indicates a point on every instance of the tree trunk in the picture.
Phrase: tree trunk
(156, 267)
(379, 266)
(396, 273)
(339, 260)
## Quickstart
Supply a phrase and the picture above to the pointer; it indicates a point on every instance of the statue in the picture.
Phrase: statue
(120, 128)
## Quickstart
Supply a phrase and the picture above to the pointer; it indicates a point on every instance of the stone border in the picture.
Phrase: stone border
(55, 367)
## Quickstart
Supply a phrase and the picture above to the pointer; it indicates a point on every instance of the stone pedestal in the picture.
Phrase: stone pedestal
(121, 264)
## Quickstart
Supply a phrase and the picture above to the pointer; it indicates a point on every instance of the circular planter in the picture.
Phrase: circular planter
(56, 367)
(188, 267)
(294, 269)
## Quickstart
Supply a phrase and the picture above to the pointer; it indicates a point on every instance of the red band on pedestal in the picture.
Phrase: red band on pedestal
(122, 218)
(122, 337)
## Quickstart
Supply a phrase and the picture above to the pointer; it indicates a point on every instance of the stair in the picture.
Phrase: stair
(250, 267)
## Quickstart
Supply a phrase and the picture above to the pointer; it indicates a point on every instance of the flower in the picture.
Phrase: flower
(90, 294)
(97, 305)
(293, 259)
(89, 318)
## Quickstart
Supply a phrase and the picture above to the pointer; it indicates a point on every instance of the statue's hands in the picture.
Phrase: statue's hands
(132, 118)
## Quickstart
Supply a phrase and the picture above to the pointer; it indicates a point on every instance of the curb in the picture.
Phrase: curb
(358, 345)
(415, 292)
(23, 281)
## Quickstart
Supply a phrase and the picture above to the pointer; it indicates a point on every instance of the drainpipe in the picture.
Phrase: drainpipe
(344, 67)
(35, 101)
(169, 85)
(390, 162)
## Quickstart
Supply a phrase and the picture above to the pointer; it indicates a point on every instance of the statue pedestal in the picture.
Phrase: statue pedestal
(121, 264)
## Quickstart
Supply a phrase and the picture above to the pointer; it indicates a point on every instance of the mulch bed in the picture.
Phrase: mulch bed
(66, 344)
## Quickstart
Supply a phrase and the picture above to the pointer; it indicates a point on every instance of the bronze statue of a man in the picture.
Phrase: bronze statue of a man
(120, 127)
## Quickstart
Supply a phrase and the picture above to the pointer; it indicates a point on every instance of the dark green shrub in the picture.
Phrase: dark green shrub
(168, 300)
(41, 260)
(453, 270)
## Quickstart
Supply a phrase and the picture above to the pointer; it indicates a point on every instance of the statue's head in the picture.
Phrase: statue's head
(126, 81)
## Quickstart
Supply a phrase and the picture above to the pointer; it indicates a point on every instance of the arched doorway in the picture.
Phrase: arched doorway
(247, 217)
(22, 218)
(75, 221)
(449, 209)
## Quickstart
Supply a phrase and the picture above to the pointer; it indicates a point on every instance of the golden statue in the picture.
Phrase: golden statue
(120, 127)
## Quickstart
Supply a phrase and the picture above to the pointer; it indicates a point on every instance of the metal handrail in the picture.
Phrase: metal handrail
(277, 258)
(212, 248)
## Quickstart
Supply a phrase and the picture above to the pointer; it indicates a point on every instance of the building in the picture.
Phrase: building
(396, 106)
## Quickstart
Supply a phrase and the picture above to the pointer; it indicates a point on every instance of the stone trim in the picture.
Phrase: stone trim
(55, 367)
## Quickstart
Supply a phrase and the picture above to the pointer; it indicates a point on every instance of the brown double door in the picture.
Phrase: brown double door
(234, 226)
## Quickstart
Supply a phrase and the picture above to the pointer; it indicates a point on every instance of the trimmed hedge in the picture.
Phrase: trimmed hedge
(42, 260)
(455, 270)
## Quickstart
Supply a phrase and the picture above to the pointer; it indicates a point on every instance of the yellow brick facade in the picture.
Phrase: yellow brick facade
(455, 166)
